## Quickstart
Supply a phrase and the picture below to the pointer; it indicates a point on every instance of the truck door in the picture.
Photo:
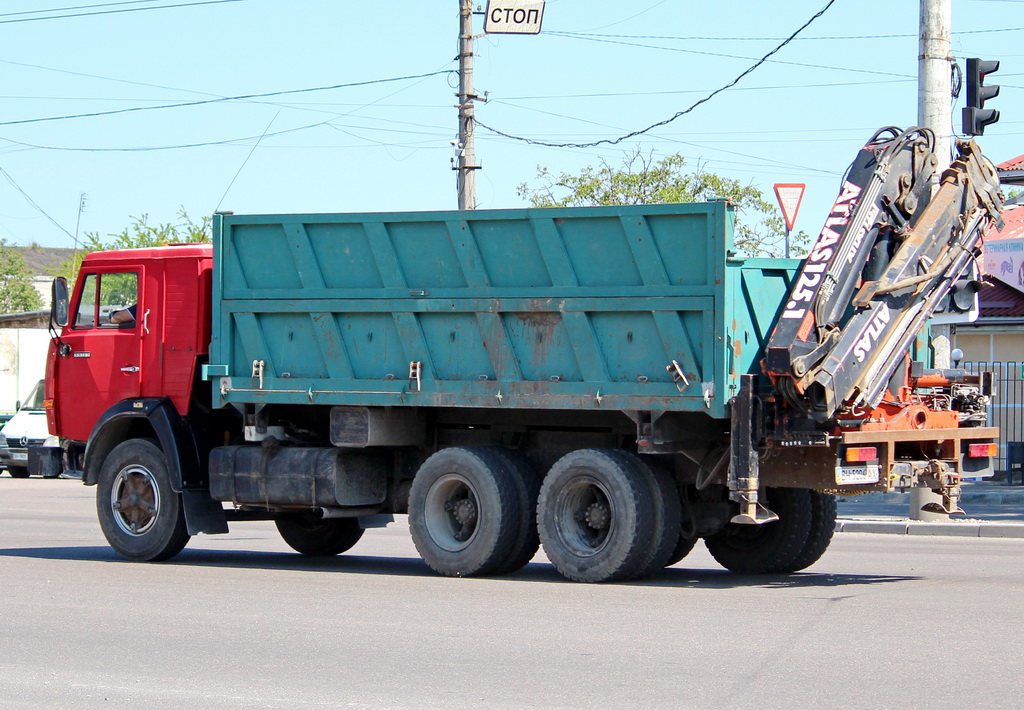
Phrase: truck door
(103, 365)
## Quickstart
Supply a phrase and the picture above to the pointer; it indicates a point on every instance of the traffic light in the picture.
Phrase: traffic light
(975, 115)
(961, 304)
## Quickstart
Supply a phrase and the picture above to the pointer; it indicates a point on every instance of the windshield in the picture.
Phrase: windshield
(35, 397)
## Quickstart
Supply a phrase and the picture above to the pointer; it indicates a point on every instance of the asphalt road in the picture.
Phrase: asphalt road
(239, 621)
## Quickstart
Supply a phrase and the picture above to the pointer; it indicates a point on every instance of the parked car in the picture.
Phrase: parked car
(26, 428)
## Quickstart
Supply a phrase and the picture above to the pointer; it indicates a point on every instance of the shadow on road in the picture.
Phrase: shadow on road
(397, 566)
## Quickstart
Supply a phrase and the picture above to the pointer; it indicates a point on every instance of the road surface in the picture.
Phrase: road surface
(240, 621)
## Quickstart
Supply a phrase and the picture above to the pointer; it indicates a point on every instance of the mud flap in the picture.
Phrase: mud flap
(203, 514)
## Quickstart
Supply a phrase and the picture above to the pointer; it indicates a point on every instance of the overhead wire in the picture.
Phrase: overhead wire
(739, 56)
(223, 99)
(705, 38)
(648, 129)
(78, 7)
(33, 203)
(112, 12)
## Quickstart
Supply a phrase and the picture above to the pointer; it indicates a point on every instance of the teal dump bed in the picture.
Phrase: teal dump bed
(586, 308)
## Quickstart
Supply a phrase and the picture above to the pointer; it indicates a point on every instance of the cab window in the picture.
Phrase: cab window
(108, 301)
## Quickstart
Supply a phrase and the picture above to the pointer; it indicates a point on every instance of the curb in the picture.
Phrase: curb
(917, 527)
(968, 498)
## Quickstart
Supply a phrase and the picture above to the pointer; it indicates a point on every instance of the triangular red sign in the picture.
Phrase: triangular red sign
(790, 195)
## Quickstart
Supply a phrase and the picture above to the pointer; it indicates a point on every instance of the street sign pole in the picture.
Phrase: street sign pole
(789, 195)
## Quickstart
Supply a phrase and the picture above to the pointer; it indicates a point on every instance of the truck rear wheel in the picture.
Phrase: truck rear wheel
(464, 512)
(771, 547)
(139, 513)
(309, 534)
(596, 516)
(526, 538)
(684, 545)
(668, 519)
(823, 525)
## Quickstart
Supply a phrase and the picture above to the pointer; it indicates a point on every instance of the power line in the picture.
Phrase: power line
(32, 202)
(77, 7)
(633, 134)
(705, 38)
(671, 92)
(113, 12)
(225, 98)
(435, 131)
(735, 56)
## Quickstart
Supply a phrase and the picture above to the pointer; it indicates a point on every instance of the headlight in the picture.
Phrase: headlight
(3, 441)
(50, 442)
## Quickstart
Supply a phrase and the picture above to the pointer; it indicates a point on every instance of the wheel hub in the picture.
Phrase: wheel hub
(136, 501)
(597, 516)
(464, 511)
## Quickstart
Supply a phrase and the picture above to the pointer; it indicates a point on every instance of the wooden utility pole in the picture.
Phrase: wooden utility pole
(466, 166)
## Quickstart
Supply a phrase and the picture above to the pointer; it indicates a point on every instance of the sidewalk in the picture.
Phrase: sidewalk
(993, 509)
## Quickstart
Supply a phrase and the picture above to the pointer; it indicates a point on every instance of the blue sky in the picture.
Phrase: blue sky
(599, 70)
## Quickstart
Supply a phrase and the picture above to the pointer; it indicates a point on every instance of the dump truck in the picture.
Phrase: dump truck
(610, 383)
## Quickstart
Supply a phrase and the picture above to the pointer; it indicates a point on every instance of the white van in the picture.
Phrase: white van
(26, 428)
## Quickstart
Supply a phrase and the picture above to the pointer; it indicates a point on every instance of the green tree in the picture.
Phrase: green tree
(759, 228)
(138, 234)
(17, 294)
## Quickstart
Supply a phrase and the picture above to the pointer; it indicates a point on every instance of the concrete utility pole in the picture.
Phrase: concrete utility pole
(934, 75)
(934, 107)
(934, 111)
(465, 148)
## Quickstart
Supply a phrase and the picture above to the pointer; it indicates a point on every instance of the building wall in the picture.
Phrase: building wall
(990, 345)
(22, 364)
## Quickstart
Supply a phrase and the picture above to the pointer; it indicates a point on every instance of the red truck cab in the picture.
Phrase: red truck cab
(97, 363)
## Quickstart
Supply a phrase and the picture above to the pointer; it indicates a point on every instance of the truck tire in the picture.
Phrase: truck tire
(823, 525)
(527, 485)
(596, 516)
(668, 519)
(311, 535)
(684, 545)
(769, 548)
(140, 515)
(464, 512)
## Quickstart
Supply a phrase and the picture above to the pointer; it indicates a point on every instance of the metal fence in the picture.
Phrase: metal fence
(1007, 408)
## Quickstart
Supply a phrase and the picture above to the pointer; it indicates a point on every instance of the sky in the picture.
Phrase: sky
(172, 137)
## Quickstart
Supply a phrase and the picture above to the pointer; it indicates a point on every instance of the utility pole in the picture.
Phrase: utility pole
(934, 71)
(465, 149)
(934, 109)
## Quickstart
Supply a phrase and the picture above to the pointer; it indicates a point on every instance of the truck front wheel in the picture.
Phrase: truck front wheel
(140, 515)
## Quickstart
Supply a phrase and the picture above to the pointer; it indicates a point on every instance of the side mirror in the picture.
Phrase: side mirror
(59, 303)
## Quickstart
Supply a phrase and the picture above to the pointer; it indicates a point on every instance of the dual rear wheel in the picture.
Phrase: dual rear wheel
(601, 515)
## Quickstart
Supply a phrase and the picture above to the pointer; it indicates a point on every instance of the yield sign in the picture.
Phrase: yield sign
(789, 196)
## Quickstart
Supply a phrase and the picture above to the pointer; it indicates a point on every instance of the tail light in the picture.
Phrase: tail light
(860, 454)
(977, 451)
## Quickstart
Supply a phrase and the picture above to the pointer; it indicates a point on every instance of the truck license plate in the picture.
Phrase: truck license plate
(848, 475)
